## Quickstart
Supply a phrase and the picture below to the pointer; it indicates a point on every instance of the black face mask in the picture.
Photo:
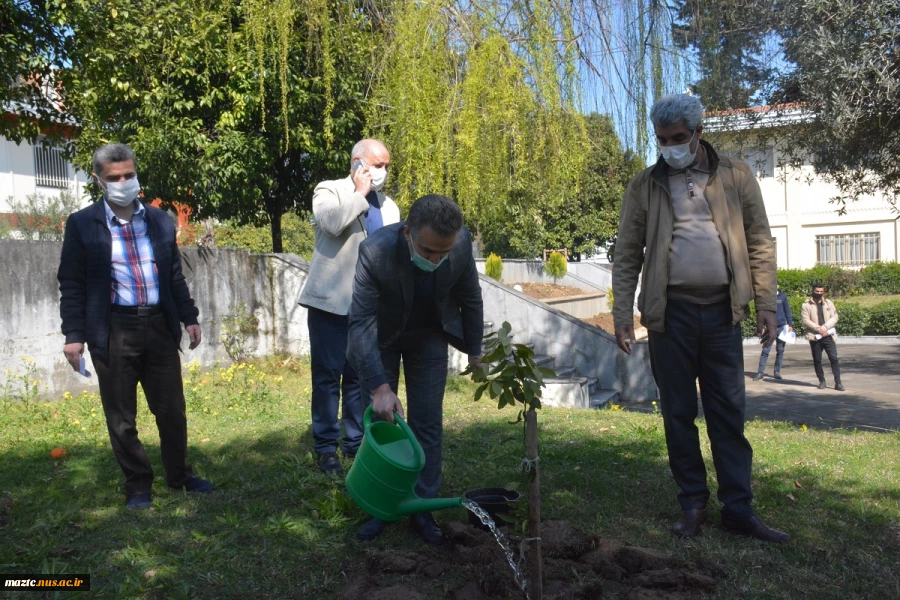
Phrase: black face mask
(817, 297)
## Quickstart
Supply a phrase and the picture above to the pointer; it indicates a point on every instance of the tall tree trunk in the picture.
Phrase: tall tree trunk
(275, 220)
(534, 561)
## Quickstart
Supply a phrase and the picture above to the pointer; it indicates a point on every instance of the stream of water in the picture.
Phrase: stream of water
(486, 519)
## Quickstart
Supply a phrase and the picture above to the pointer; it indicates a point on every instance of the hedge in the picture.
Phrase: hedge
(853, 319)
(884, 319)
(878, 278)
(297, 236)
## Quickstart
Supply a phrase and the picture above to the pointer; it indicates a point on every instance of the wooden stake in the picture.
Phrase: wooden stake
(534, 562)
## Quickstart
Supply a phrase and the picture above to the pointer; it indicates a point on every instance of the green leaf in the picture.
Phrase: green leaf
(496, 389)
(480, 391)
(547, 372)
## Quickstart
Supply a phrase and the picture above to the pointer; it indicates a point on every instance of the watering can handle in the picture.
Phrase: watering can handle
(367, 420)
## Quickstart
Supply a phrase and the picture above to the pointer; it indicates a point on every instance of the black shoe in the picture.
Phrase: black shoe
(822, 385)
(370, 530)
(138, 501)
(755, 528)
(196, 485)
(839, 387)
(330, 465)
(778, 376)
(758, 377)
(424, 525)
(689, 523)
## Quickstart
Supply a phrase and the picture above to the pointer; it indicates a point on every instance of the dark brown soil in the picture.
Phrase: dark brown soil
(577, 566)
(545, 291)
(605, 322)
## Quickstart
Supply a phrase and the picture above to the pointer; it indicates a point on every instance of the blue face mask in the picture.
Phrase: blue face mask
(423, 263)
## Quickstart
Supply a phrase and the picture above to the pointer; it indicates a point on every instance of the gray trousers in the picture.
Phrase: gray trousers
(424, 356)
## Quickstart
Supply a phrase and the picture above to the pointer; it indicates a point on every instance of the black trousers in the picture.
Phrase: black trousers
(830, 347)
(424, 356)
(143, 350)
(701, 342)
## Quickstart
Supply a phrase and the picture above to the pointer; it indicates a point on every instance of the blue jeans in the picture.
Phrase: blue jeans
(333, 381)
(701, 342)
(779, 357)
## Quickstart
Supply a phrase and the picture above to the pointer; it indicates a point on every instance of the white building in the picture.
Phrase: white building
(807, 228)
(27, 169)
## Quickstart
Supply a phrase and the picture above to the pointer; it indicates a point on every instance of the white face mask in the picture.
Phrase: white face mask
(679, 156)
(121, 193)
(379, 176)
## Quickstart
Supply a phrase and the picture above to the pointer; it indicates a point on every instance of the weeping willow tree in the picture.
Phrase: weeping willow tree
(235, 107)
(480, 115)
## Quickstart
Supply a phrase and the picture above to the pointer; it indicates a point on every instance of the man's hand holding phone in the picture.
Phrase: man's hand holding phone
(362, 179)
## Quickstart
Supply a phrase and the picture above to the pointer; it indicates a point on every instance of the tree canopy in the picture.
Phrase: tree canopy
(233, 107)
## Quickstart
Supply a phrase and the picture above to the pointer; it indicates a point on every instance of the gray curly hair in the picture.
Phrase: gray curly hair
(677, 108)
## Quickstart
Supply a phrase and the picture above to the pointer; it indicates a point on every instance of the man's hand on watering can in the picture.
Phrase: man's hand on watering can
(386, 403)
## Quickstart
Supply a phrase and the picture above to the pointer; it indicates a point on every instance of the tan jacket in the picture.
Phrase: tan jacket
(645, 233)
(339, 211)
(810, 316)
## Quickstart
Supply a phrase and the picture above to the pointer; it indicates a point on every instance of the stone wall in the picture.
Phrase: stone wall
(218, 279)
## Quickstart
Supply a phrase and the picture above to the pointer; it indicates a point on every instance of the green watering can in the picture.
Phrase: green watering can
(384, 473)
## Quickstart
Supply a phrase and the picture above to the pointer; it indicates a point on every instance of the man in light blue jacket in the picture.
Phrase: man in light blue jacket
(346, 211)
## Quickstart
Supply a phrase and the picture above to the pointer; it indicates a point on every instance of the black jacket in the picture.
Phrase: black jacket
(383, 293)
(85, 277)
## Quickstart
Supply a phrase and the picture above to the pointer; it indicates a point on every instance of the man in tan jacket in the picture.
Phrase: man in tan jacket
(695, 224)
(346, 211)
(819, 318)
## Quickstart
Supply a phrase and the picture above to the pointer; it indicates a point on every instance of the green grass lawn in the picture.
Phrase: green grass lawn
(278, 529)
(868, 301)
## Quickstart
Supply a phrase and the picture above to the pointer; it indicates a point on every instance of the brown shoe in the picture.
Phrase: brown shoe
(755, 528)
(689, 523)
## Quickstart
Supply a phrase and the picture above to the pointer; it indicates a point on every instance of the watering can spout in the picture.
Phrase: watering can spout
(423, 505)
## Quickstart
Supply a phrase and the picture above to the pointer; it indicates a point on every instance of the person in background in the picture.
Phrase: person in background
(819, 318)
(124, 294)
(345, 211)
(783, 318)
(416, 291)
(697, 226)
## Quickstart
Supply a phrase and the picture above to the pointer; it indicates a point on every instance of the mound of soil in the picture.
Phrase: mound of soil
(577, 566)
(605, 322)
(545, 291)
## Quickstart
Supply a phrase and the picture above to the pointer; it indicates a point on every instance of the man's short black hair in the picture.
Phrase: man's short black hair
(438, 212)
(818, 284)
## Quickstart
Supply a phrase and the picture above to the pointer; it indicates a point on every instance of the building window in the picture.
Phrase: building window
(851, 250)
(50, 167)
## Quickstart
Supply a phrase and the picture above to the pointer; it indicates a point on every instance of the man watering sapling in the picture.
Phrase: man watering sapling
(416, 292)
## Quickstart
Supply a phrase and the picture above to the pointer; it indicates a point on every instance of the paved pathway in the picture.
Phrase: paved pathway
(870, 373)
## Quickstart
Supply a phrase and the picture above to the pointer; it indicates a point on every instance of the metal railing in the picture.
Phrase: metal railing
(50, 167)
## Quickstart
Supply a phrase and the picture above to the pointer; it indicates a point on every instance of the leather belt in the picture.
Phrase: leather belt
(138, 311)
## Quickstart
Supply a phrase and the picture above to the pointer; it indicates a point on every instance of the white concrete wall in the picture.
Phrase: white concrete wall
(17, 178)
(521, 270)
(29, 307)
(799, 208)
(573, 342)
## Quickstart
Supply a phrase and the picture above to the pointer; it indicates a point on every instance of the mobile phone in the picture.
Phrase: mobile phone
(356, 164)
(81, 368)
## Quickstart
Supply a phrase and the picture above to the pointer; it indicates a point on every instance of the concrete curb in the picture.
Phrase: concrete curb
(877, 340)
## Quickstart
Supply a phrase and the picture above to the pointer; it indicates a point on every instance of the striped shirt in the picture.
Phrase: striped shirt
(135, 280)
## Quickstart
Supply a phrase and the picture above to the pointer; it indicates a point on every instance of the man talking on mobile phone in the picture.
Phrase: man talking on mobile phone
(346, 211)
(695, 223)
